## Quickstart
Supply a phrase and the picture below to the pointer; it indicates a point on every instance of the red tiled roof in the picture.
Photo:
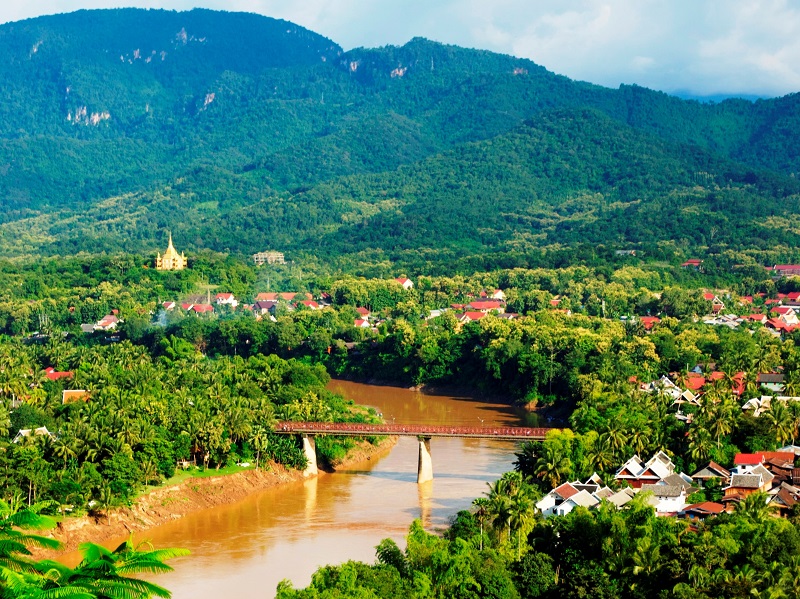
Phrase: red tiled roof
(200, 308)
(474, 315)
(223, 296)
(363, 311)
(748, 459)
(566, 490)
(266, 297)
(786, 456)
(649, 321)
(52, 374)
(487, 305)
(706, 507)
(695, 382)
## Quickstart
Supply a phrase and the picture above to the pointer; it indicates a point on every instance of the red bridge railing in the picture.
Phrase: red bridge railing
(411, 430)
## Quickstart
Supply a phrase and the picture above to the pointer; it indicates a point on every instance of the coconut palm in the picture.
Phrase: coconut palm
(781, 420)
(482, 507)
(553, 466)
(109, 574)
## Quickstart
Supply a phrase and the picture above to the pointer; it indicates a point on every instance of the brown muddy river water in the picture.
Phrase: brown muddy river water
(243, 550)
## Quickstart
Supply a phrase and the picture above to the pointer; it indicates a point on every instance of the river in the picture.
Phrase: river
(243, 550)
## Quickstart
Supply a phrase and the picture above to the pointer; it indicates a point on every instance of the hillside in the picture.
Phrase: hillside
(236, 131)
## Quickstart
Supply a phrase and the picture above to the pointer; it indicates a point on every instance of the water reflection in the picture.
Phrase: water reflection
(245, 549)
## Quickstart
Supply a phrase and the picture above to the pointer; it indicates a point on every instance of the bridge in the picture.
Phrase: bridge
(423, 432)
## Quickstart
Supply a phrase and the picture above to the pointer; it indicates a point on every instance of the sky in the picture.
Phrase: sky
(694, 47)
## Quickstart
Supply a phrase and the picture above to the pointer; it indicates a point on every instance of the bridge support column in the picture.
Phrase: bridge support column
(310, 449)
(425, 463)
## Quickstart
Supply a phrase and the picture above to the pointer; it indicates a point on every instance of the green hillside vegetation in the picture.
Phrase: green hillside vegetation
(232, 129)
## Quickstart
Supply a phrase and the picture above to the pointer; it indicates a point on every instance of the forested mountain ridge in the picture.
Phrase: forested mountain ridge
(232, 129)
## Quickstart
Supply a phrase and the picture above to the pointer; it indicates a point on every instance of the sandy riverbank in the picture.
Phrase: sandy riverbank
(168, 503)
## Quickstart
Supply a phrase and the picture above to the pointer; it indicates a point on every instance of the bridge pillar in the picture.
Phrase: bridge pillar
(310, 449)
(425, 463)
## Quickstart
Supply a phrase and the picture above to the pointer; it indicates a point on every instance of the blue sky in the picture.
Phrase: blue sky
(701, 47)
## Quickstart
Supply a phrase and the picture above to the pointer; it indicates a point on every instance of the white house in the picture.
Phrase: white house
(226, 299)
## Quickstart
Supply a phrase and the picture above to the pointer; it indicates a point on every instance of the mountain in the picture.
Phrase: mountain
(239, 132)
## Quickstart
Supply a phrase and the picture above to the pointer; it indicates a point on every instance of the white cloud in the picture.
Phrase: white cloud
(700, 46)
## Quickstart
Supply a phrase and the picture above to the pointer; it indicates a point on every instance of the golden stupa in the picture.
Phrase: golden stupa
(171, 260)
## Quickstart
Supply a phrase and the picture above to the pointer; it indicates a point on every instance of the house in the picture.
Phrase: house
(742, 485)
(636, 473)
(363, 312)
(784, 498)
(554, 498)
(471, 316)
(107, 323)
(668, 499)
(622, 497)
(226, 299)
(498, 294)
(486, 306)
(700, 511)
(360, 323)
(310, 304)
(786, 314)
(759, 318)
(717, 304)
(692, 263)
(771, 380)
(202, 308)
(186, 306)
(712, 471)
(36, 432)
(581, 498)
(648, 322)
(265, 306)
(269, 257)
(168, 305)
(785, 270)
(74, 395)
(407, 284)
(52, 374)
(266, 297)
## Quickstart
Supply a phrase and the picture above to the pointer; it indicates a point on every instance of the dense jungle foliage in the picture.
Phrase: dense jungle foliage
(171, 385)
(242, 133)
(500, 550)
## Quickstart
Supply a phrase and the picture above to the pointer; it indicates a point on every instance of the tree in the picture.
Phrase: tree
(108, 574)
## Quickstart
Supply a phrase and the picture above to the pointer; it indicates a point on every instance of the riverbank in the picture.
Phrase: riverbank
(193, 494)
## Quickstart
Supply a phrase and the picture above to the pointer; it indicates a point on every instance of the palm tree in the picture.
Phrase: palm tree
(600, 455)
(553, 466)
(754, 507)
(108, 574)
(259, 437)
(781, 420)
(520, 514)
(482, 506)
(15, 519)
(700, 443)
